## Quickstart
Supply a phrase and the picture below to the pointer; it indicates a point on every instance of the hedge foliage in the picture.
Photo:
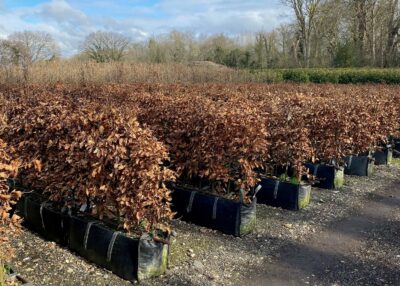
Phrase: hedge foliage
(220, 142)
(86, 152)
(114, 146)
(9, 225)
(303, 123)
(330, 75)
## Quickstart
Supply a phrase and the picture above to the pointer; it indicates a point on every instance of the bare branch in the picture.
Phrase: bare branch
(104, 46)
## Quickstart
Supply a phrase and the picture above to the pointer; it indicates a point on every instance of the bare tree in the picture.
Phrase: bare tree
(9, 57)
(374, 8)
(9, 53)
(33, 46)
(27, 47)
(103, 46)
(177, 46)
(260, 50)
(306, 12)
(328, 30)
(285, 42)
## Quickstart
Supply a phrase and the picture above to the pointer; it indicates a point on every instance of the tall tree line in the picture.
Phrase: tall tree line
(323, 33)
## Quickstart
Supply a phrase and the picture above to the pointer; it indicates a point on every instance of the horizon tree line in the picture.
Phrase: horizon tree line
(324, 33)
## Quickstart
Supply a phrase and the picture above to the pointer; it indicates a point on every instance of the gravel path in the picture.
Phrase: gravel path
(203, 257)
(360, 249)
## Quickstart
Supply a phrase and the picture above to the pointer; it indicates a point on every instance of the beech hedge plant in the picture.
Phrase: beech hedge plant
(221, 143)
(85, 153)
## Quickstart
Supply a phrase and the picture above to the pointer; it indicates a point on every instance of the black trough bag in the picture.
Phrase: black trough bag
(362, 165)
(283, 194)
(228, 216)
(383, 156)
(328, 176)
(128, 257)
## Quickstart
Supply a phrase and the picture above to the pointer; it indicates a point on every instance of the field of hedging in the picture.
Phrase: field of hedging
(114, 147)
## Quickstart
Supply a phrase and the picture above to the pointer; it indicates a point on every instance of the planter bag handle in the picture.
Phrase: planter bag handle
(87, 232)
(42, 206)
(350, 161)
(276, 189)
(111, 245)
(191, 199)
(256, 190)
(316, 170)
(41, 215)
(215, 206)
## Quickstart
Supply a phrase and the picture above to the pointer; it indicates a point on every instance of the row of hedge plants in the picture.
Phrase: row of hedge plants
(107, 152)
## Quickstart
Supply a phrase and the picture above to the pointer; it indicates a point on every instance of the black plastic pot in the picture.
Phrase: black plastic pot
(383, 156)
(328, 176)
(128, 257)
(283, 194)
(361, 165)
(228, 216)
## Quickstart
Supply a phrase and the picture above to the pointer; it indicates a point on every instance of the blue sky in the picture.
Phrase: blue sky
(69, 21)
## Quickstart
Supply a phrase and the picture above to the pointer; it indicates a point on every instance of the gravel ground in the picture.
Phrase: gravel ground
(376, 261)
(359, 248)
(381, 253)
(204, 257)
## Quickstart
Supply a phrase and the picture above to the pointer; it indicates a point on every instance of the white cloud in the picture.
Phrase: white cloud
(60, 11)
(68, 22)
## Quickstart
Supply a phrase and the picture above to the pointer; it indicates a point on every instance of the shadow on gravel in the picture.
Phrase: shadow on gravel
(389, 199)
(303, 264)
(387, 234)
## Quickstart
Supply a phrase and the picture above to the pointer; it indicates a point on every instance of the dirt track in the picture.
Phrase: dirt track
(345, 237)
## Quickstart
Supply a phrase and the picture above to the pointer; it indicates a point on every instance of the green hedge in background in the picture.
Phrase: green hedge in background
(330, 75)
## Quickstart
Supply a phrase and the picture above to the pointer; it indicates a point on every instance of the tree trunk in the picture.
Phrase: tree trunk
(373, 44)
(393, 31)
